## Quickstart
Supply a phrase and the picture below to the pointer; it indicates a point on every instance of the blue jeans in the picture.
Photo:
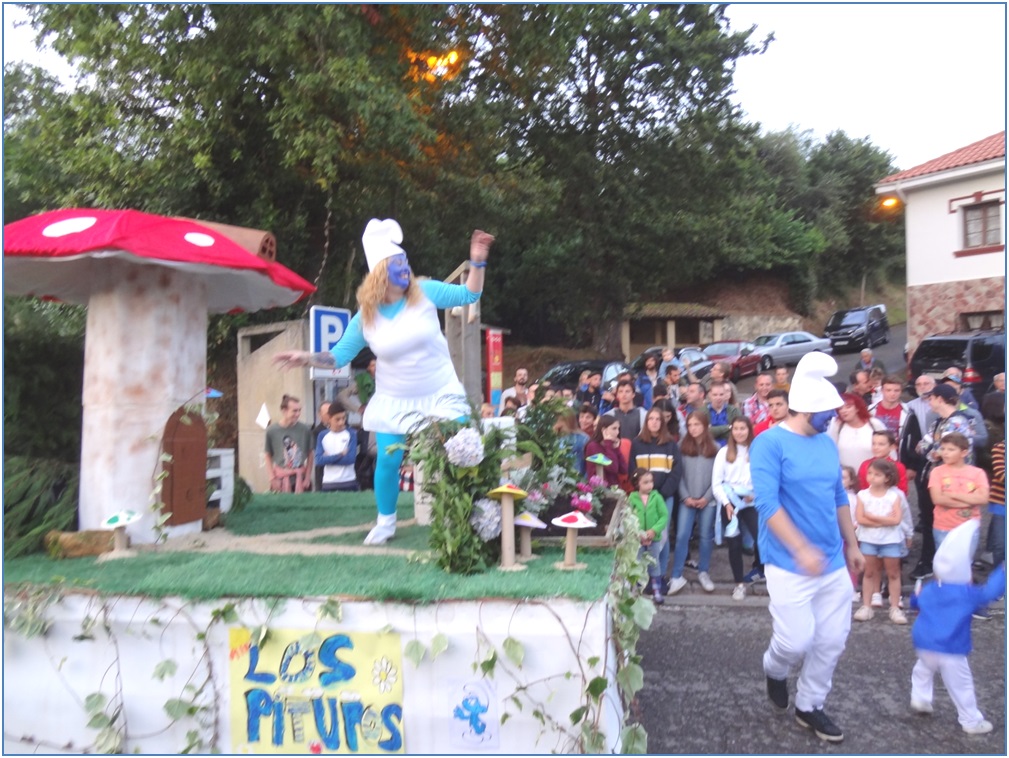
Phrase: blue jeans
(664, 552)
(684, 526)
(658, 544)
(996, 538)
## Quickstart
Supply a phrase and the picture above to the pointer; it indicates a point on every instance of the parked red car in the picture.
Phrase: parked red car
(741, 355)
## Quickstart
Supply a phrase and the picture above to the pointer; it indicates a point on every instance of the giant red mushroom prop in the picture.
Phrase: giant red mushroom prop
(148, 282)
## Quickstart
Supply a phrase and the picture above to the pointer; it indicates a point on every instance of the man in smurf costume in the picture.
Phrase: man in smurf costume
(807, 543)
(941, 633)
(414, 375)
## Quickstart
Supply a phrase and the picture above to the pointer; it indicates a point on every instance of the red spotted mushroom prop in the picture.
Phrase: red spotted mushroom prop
(508, 494)
(148, 283)
(526, 522)
(572, 522)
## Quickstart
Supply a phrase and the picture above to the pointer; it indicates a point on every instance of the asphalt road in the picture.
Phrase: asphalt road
(705, 693)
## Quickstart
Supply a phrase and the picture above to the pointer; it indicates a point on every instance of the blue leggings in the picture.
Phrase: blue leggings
(387, 471)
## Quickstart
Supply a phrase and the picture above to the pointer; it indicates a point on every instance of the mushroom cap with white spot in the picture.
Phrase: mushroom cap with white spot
(61, 255)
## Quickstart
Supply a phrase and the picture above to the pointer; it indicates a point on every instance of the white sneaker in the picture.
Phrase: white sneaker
(705, 581)
(676, 584)
(857, 597)
(877, 600)
(983, 728)
(921, 706)
(739, 592)
(383, 531)
(864, 613)
(897, 616)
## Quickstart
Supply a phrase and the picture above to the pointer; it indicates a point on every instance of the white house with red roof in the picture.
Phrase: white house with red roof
(955, 236)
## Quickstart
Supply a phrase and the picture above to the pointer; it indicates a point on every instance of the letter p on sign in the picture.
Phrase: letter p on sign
(326, 327)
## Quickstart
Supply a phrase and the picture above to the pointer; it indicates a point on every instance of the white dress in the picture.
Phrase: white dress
(414, 375)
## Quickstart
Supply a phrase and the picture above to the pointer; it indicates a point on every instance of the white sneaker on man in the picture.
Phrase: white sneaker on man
(739, 592)
(705, 581)
(982, 728)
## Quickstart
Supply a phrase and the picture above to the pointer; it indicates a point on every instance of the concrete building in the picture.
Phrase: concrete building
(954, 209)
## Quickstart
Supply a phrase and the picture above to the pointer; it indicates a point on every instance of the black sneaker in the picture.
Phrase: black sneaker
(820, 723)
(754, 575)
(921, 571)
(777, 691)
(691, 563)
(981, 614)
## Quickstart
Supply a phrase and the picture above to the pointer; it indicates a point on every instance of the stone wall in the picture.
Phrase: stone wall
(740, 326)
(933, 308)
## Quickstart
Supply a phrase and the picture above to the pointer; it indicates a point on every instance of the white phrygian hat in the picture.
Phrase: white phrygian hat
(381, 240)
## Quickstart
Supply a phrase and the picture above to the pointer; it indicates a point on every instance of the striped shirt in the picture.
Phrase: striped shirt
(996, 492)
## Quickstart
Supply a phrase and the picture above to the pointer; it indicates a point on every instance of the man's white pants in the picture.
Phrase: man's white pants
(955, 673)
(812, 617)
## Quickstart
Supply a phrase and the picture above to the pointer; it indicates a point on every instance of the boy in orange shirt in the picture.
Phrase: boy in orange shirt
(958, 490)
(884, 445)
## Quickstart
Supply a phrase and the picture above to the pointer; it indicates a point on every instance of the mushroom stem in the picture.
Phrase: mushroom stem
(600, 470)
(508, 534)
(142, 360)
(119, 541)
(570, 548)
(525, 543)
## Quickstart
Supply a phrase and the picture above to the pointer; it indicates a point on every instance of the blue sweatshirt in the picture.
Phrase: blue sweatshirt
(802, 475)
(944, 612)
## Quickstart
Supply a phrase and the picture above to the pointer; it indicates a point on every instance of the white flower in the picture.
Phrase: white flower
(465, 449)
(383, 674)
(486, 519)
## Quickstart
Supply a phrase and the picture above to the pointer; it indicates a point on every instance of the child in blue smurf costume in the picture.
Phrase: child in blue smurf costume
(941, 632)
(414, 375)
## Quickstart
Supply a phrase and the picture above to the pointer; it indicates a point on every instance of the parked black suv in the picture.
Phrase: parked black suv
(566, 374)
(981, 353)
(858, 328)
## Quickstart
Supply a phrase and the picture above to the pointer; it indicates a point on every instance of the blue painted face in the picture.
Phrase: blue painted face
(821, 420)
(399, 271)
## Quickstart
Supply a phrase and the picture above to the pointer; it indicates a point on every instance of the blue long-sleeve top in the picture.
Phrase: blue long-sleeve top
(944, 612)
(801, 475)
(347, 459)
(441, 294)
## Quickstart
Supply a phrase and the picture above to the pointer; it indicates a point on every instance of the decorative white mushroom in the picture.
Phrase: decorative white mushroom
(601, 462)
(148, 282)
(508, 494)
(572, 522)
(526, 522)
(118, 523)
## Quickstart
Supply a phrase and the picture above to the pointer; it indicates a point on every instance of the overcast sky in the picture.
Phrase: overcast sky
(917, 79)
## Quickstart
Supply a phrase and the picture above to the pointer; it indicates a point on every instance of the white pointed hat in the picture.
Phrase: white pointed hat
(381, 240)
(952, 560)
(810, 391)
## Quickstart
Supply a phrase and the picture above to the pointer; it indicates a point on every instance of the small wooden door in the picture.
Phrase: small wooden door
(184, 491)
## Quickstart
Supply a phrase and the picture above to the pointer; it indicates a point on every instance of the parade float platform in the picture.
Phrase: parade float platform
(281, 633)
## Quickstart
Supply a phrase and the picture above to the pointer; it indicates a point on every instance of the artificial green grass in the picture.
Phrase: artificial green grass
(377, 576)
(407, 538)
(278, 514)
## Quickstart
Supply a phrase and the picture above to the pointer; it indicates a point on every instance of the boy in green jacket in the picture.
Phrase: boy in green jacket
(650, 508)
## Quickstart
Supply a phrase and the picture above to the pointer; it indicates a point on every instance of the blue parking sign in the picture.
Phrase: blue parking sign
(325, 328)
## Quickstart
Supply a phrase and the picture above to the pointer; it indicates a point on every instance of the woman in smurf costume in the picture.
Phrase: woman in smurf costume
(414, 376)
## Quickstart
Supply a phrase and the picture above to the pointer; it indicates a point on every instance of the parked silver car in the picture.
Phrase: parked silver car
(786, 348)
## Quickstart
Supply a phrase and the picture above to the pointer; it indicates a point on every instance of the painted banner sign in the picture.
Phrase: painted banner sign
(316, 692)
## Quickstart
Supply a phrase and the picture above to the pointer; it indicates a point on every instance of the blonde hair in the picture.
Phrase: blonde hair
(371, 293)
